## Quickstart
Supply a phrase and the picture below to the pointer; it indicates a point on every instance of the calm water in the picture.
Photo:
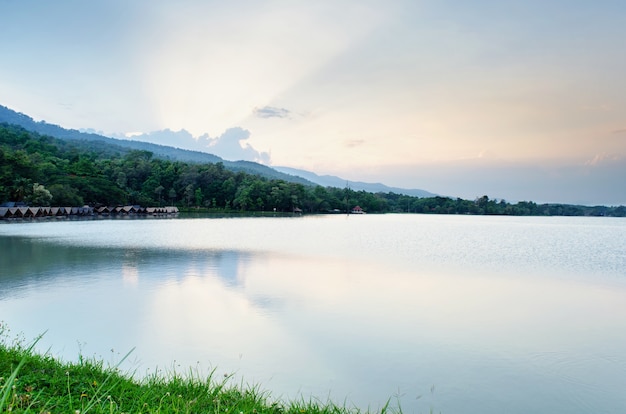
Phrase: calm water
(454, 314)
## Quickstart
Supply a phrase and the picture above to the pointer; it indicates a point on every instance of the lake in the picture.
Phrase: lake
(454, 314)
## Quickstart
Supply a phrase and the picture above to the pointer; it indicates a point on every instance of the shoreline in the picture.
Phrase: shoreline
(85, 212)
(34, 382)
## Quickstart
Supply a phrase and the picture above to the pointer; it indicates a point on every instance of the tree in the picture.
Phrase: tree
(64, 195)
(40, 196)
(158, 192)
(21, 188)
(172, 195)
(189, 194)
(242, 198)
(198, 196)
(121, 179)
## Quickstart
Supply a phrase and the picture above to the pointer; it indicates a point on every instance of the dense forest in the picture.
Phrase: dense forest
(40, 170)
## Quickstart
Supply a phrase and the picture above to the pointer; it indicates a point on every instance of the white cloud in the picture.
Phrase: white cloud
(232, 145)
(600, 159)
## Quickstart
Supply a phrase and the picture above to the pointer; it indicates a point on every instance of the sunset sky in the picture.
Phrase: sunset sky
(521, 100)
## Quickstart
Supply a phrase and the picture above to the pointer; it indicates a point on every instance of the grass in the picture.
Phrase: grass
(31, 382)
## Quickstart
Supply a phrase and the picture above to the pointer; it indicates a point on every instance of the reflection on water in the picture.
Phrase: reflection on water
(311, 321)
(30, 263)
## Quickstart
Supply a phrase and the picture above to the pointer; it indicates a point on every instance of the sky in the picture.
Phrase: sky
(517, 100)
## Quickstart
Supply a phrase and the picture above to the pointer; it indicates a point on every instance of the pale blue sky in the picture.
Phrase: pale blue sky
(522, 100)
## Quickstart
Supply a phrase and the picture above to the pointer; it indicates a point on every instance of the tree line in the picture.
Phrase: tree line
(40, 170)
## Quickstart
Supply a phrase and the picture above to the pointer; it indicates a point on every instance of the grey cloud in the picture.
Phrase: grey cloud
(354, 143)
(272, 112)
(620, 131)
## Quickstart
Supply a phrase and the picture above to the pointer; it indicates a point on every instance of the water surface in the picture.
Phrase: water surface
(450, 313)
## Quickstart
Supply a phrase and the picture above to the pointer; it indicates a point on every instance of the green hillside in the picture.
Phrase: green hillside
(40, 170)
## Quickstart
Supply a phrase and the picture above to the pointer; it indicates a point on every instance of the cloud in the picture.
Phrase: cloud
(179, 139)
(230, 146)
(601, 159)
(620, 131)
(354, 143)
(272, 112)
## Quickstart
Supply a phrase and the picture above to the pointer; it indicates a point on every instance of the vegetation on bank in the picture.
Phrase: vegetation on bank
(41, 171)
(35, 383)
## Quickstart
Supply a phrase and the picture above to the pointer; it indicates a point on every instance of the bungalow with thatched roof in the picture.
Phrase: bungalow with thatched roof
(104, 210)
(37, 211)
(25, 212)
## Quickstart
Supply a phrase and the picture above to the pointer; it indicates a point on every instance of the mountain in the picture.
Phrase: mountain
(159, 151)
(333, 181)
(178, 154)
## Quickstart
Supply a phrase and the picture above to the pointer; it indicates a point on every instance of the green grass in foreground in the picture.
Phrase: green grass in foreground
(32, 382)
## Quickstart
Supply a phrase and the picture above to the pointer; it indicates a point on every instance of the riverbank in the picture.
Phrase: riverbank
(32, 382)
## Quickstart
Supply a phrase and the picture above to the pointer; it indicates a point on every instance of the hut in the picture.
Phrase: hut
(357, 210)
(130, 209)
(35, 212)
(104, 210)
(86, 211)
(25, 212)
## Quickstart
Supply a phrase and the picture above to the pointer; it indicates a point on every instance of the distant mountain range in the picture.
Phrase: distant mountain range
(333, 181)
(177, 154)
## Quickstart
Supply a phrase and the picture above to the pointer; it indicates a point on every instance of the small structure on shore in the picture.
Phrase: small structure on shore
(357, 210)
(25, 212)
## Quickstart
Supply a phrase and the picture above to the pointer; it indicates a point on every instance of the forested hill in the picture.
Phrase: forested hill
(9, 116)
(40, 170)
